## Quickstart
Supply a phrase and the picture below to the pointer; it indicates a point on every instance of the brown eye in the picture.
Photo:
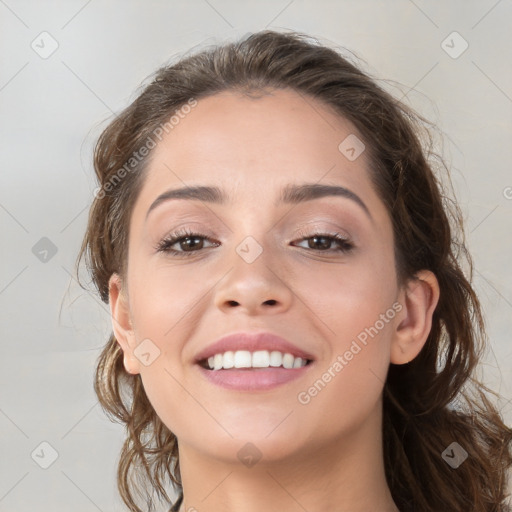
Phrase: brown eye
(323, 242)
(183, 243)
(190, 243)
(320, 242)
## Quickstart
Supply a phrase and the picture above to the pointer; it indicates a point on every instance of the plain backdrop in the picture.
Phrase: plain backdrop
(67, 66)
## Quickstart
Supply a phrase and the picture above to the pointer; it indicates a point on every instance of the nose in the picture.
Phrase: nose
(253, 288)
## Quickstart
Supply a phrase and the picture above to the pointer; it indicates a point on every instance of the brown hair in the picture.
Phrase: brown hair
(420, 419)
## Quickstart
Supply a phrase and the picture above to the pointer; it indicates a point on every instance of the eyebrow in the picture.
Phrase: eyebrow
(290, 194)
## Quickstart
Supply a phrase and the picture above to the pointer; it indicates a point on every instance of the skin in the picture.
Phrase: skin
(325, 455)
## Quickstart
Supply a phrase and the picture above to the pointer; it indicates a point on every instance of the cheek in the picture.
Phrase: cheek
(343, 397)
(350, 297)
(163, 298)
(359, 313)
(357, 306)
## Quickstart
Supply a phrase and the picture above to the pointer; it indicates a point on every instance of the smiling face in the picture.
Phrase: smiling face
(261, 257)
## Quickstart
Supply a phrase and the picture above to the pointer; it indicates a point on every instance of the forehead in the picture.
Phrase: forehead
(252, 145)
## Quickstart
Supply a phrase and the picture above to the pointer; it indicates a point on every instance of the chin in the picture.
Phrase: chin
(249, 451)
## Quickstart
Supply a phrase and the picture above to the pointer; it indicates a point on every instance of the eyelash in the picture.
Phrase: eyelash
(344, 244)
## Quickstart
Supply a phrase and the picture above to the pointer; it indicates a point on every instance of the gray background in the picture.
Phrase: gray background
(53, 108)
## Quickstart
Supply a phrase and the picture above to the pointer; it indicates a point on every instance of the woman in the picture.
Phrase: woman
(292, 328)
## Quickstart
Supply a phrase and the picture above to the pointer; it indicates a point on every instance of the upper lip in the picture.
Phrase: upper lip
(251, 342)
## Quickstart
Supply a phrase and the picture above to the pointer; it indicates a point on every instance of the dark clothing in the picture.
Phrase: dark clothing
(177, 505)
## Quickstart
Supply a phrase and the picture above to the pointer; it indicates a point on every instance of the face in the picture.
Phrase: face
(317, 271)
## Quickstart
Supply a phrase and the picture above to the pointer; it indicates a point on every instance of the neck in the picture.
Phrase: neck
(344, 474)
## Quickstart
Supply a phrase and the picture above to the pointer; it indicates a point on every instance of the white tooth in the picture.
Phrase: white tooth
(242, 359)
(276, 358)
(297, 362)
(228, 360)
(260, 359)
(288, 360)
(217, 362)
(257, 359)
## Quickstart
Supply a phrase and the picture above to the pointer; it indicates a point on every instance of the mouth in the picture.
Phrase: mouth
(257, 360)
(253, 362)
(253, 372)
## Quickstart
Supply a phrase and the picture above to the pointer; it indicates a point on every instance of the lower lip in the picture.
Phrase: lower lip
(259, 379)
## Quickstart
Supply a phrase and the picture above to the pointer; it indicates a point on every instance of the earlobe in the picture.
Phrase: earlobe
(419, 298)
(121, 323)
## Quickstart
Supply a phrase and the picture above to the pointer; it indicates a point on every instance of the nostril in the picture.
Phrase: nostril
(270, 302)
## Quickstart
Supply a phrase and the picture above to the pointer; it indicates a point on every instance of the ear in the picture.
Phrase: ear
(121, 323)
(419, 299)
